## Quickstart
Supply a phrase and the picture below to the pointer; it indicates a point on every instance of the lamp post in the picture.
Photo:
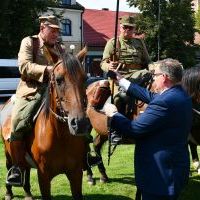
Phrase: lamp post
(158, 31)
(72, 47)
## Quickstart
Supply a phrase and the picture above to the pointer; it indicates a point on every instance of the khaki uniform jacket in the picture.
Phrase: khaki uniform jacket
(32, 73)
(132, 51)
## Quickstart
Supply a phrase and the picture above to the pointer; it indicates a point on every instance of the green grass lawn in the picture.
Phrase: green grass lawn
(121, 186)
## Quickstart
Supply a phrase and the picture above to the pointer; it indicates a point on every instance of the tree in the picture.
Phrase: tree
(174, 31)
(197, 20)
(19, 18)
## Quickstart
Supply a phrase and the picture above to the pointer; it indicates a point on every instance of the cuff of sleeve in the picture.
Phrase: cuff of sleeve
(124, 83)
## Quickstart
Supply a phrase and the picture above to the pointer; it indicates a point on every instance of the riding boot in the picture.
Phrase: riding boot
(15, 176)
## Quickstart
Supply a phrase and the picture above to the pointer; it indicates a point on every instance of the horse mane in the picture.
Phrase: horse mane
(81, 54)
(191, 83)
(73, 67)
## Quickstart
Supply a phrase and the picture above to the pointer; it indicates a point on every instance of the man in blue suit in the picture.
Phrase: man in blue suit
(161, 132)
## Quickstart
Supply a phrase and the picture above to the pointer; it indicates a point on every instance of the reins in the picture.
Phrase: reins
(196, 111)
(63, 117)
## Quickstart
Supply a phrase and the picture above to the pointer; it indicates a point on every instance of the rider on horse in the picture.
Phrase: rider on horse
(132, 60)
(36, 58)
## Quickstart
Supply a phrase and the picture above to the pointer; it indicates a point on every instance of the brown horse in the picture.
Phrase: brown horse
(99, 122)
(57, 144)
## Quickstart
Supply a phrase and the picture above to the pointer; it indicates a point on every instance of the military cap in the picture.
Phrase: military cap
(127, 20)
(50, 20)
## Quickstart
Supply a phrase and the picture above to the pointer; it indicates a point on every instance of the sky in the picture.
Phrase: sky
(111, 4)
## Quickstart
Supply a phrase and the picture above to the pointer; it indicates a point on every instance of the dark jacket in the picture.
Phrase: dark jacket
(161, 133)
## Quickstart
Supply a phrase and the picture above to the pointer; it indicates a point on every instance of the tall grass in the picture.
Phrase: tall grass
(120, 187)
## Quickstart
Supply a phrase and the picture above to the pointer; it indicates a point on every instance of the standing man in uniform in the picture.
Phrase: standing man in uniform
(132, 57)
(36, 58)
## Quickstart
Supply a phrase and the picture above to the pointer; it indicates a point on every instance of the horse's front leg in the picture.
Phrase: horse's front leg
(44, 184)
(75, 179)
(99, 141)
(9, 193)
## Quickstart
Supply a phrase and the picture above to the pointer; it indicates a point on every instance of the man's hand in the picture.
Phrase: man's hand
(113, 65)
(49, 69)
(110, 109)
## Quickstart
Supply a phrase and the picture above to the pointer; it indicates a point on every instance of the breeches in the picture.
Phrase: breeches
(22, 115)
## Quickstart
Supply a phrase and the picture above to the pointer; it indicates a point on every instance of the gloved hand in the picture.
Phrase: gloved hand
(110, 109)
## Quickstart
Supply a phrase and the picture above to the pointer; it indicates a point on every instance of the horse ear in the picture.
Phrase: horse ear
(82, 53)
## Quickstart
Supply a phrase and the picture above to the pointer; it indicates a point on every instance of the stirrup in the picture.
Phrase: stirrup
(116, 139)
(15, 177)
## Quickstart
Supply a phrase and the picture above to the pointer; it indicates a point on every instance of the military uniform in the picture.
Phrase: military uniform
(131, 53)
(133, 59)
(33, 82)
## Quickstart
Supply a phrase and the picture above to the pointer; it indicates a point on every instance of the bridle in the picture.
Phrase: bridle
(63, 117)
(147, 83)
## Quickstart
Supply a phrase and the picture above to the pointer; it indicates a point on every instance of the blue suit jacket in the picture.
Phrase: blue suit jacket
(161, 132)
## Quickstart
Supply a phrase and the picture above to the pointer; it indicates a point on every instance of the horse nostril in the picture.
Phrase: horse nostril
(74, 123)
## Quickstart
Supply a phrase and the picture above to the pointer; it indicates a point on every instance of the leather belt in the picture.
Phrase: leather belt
(132, 66)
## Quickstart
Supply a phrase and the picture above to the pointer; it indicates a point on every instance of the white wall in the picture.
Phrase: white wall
(75, 17)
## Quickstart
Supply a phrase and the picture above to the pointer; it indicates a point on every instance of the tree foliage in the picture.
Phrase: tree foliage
(19, 18)
(197, 20)
(175, 29)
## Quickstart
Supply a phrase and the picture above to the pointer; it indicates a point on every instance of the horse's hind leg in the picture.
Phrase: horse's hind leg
(99, 140)
(75, 179)
(27, 186)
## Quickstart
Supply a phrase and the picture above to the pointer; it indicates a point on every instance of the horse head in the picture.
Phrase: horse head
(97, 94)
(68, 95)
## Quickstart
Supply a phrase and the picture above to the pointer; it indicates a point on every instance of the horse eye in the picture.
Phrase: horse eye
(59, 80)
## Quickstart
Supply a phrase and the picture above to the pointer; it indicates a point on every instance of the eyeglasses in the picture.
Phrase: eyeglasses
(155, 75)
(127, 27)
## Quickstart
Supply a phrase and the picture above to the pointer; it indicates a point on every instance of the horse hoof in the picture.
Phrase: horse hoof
(91, 181)
(104, 179)
(195, 165)
(8, 197)
(28, 198)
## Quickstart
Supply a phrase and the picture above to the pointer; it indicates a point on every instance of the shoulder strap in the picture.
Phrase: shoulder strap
(118, 47)
(35, 41)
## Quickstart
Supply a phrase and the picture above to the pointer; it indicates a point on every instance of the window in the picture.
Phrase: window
(66, 2)
(66, 27)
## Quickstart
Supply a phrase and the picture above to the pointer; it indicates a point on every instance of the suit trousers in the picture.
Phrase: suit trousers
(148, 196)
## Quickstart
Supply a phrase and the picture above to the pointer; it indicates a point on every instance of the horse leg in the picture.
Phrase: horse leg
(99, 140)
(90, 179)
(45, 185)
(195, 157)
(75, 179)
(27, 186)
(138, 194)
(9, 193)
